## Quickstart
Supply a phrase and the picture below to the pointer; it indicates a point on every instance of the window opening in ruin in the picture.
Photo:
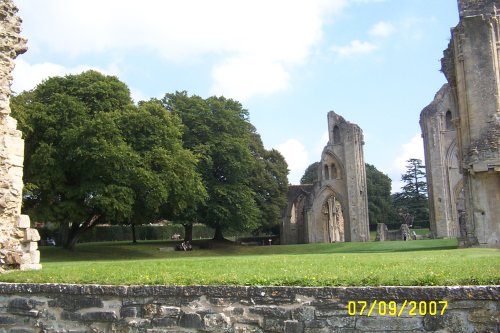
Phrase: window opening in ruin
(334, 172)
(336, 134)
(448, 122)
(327, 172)
(293, 215)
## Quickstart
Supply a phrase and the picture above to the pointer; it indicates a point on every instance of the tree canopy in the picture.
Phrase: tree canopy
(269, 181)
(380, 208)
(244, 182)
(92, 156)
(411, 202)
(311, 174)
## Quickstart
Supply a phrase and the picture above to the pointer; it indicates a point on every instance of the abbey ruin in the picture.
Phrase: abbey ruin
(335, 207)
(445, 185)
(461, 131)
(18, 242)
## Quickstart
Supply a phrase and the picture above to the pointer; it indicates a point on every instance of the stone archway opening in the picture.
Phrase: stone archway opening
(333, 219)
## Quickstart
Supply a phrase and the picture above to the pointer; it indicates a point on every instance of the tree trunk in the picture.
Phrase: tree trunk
(218, 236)
(74, 233)
(134, 238)
(188, 232)
(63, 234)
(76, 230)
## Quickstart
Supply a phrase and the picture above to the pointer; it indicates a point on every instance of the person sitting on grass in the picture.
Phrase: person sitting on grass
(184, 246)
(50, 241)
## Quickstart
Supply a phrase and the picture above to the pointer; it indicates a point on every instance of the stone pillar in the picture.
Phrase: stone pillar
(18, 242)
(382, 232)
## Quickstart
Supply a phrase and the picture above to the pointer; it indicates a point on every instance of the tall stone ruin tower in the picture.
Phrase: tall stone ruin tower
(18, 242)
(343, 174)
(335, 207)
(444, 181)
(471, 64)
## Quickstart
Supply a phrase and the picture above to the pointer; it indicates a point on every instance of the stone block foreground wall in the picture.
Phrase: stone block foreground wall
(26, 308)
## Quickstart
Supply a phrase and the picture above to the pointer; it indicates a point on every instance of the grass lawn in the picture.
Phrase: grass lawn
(425, 262)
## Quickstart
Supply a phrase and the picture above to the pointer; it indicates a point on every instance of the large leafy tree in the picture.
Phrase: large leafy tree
(270, 183)
(92, 156)
(380, 208)
(311, 174)
(244, 182)
(411, 202)
(156, 135)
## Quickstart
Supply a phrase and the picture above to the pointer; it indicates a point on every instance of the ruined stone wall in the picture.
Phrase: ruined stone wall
(293, 229)
(471, 65)
(404, 233)
(356, 186)
(335, 207)
(476, 7)
(33, 308)
(342, 175)
(444, 180)
(18, 247)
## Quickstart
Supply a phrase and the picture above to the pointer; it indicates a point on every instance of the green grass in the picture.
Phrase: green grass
(426, 262)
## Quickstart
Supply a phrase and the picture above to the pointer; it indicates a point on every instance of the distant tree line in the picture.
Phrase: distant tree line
(409, 206)
(92, 156)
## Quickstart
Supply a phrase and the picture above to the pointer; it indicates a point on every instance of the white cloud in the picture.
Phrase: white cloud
(382, 29)
(137, 95)
(270, 34)
(297, 158)
(412, 149)
(27, 76)
(244, 77)
(355, 47)
(321, 143)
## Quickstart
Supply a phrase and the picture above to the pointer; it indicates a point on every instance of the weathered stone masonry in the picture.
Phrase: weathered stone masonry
(53, 308)
(18, 247)
(335, 207)
(471, 65)
(445, 184)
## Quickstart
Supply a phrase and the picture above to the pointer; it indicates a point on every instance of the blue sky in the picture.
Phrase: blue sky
(289, 62)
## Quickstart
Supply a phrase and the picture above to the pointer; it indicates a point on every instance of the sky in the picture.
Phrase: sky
(289, 62)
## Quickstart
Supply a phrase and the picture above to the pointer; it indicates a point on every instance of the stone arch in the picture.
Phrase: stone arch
(454, 187)
(452, 155)
(322, 224)
(294, 226)
(333, 219)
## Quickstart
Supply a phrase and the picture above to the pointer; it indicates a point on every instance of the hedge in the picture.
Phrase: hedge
(104, 233)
